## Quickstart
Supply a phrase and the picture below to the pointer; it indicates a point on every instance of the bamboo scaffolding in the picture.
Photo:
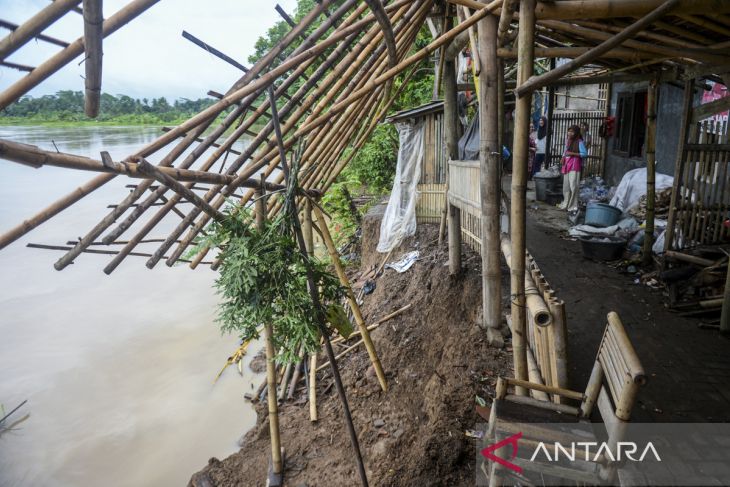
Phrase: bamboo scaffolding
(290, 124)
(59, 60)
(542, 80)
(41, 37)
(34, 26)
(252, 147)
(93, 21)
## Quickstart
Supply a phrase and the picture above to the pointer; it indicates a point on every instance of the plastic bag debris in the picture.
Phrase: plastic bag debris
(404, 263)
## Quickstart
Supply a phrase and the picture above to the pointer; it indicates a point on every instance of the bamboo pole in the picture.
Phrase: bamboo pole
(651, 102)
(679, 163)
(538, 82)
(725, 315)
(93, 20)
(519, 184)
(489, 169)
(322, 225)
(534, 302)
(56, 62)
(451, 120)
(273, 405)
(34, 26)
(313, 387)
(307, 227)
(505, 19)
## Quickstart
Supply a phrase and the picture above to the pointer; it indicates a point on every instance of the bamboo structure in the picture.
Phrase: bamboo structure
(651, 102)
(330, 80)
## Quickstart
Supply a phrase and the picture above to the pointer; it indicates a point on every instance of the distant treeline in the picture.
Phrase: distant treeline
(68, 106)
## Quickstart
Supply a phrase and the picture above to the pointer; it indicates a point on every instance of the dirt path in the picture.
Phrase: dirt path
(688, 367)
(436, 360)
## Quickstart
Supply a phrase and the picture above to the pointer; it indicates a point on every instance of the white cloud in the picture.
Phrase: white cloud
(149, 57)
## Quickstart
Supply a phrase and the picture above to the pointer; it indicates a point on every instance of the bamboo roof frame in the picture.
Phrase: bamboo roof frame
(331, 92)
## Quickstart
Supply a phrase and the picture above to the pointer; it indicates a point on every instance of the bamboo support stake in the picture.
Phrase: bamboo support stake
(322, 225)
(273, 405)
(651, 102)
(93, 20)
(505, 19)
(451, 120)
(526, 43)
(489, 170)
(313, 387)
(34, 26)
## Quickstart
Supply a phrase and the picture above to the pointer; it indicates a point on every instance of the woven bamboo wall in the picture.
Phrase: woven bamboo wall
(465, 193)
(430, 203)
(701, 191)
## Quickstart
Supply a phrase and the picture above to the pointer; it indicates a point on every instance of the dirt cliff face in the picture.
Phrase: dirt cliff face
(436, 360)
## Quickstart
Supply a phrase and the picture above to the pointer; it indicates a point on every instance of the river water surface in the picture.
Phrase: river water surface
(117, 370)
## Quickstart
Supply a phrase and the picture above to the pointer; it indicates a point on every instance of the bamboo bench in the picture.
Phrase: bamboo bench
(613, 386)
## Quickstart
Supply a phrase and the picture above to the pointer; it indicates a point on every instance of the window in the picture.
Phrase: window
(631, 124)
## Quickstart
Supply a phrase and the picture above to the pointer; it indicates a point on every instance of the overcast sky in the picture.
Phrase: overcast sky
(149, 57)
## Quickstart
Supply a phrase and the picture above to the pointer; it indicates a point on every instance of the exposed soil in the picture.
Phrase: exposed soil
(436, 360)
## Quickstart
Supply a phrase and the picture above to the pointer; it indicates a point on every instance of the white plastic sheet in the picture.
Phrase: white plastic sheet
(399, 220)
(633, 186)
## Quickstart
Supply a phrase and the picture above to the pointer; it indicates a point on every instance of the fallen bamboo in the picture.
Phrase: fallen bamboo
(341, 354)
(374, 325)
(322, 225)
(692, 259)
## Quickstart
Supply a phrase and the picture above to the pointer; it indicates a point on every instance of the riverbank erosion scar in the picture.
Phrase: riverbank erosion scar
(437, 361)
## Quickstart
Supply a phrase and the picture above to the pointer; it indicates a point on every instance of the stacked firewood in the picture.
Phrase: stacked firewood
(661, 206)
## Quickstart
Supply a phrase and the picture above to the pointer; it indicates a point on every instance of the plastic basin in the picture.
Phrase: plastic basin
(603, 248)
(602, 215)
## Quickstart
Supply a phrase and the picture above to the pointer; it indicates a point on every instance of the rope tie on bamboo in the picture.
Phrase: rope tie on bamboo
(513, 299)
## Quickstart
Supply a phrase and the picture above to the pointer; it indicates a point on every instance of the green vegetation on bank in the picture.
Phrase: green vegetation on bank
(67, 108)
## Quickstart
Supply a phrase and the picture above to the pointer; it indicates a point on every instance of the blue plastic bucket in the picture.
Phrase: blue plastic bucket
(602, 215)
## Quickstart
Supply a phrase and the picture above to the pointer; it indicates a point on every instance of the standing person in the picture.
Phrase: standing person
(541, 143)
(532, 148)
(572, 163)
(587, 136)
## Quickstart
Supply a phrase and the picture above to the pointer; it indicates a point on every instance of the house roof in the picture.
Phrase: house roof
(425, 109)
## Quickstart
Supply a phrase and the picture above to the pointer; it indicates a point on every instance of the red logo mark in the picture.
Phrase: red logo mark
(512, 440)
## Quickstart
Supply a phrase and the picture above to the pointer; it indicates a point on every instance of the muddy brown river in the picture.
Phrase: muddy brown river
(117, 370)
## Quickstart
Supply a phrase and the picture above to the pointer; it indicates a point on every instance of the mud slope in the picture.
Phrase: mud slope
(436, 360)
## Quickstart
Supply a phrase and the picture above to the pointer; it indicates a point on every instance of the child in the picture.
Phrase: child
(572, 163)
(541, 142)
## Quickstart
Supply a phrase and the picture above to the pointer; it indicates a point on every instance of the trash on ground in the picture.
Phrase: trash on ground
(404, 263)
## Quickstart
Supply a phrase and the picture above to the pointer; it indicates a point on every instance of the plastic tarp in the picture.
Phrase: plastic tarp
(633, 186)
(469, 142)
(399, 220)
